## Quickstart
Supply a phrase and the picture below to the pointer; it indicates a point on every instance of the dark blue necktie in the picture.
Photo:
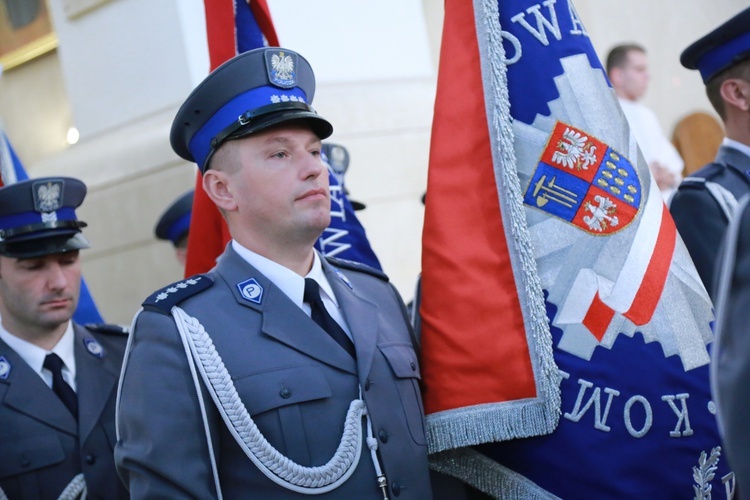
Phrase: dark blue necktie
(323, 319)
(59, 386)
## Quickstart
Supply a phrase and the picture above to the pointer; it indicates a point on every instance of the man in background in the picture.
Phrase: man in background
(703, 207)
(58, 379)
(174, 225)
(627, 68)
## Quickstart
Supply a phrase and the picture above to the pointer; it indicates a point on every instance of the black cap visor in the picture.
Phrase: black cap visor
(242, 128)
(44, 244)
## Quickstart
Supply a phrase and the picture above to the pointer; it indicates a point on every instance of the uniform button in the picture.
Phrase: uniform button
(413, 366)
(383, 436)
(285, 393)
(25, 462)
(367, 384)
(396, 489)
(90, 459)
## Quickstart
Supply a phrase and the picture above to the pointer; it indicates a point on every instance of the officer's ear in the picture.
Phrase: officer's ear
(736, 93)
(216, 184)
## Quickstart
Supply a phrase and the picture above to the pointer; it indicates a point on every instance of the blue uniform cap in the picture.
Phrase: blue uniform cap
(720, 49)
(337, 157)
(174, 223)
(252, 91)
(37, 217)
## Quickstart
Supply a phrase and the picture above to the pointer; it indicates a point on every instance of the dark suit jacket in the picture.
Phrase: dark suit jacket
(41, 446)
(699, 218)
(295, 380)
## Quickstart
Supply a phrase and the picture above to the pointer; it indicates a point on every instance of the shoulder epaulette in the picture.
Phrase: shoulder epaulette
(357, 266)
(708, 172)
(165, 299)
(693, 182)
(108, 328)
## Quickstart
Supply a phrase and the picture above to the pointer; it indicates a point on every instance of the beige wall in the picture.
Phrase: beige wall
(665, 28)
(132, 173)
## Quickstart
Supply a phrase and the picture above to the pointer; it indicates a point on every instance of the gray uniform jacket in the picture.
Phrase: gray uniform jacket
(700, 212)
(41, 447)
(295, 380)
(730, 367)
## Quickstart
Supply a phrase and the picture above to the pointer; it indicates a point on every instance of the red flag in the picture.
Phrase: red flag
(564, 326)
(473, 327)
(208, 232)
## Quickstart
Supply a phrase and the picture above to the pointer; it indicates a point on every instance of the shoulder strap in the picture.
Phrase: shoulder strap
(107, 328)
(726, 200)
(356, 266)
(163, 300)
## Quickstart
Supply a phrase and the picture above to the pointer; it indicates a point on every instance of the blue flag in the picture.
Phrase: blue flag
(627, 318)
(11, 171)
(345, 237)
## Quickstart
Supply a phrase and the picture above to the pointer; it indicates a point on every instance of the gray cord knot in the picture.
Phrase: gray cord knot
(274, 465)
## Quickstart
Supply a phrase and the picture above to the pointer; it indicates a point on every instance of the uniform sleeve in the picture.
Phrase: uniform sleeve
(162, 450)
(702, 225)
(730, 374)
(732, 380)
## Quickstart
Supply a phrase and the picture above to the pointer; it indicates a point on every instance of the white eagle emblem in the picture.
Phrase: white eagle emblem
(48, 197)
(602, 216)
(574, 151)
(283, 65)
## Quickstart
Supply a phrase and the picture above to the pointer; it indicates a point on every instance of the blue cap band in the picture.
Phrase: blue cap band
(28, 218)
(179, 228)
(719, 58)
(200, 144)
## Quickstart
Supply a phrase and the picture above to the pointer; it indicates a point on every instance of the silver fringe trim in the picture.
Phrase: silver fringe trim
(487, 476)
(532, 417)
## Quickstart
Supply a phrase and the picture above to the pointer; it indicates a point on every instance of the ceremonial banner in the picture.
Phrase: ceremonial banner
(344, 237)
(565, 330)
(12, 171)
(253, 28)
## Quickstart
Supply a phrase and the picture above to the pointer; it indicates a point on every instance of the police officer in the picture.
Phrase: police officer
(174, 225)
(279, 372)
(58, 379)
(705, 201)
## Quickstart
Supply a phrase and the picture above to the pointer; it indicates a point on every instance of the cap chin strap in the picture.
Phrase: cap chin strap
(277, 467)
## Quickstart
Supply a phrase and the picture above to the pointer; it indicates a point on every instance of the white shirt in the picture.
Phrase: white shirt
(651, 139)
(34, 355)
(293, 285)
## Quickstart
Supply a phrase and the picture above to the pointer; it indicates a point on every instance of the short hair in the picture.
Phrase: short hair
(619, 55)
(182, 241)
(226, 158)
(741, 71)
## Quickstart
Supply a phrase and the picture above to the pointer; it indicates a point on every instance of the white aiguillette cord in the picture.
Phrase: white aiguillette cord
(76, 487)
(278, 468)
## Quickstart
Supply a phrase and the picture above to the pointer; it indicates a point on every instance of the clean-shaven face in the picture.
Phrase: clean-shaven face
(282, 186)
(39, 295)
